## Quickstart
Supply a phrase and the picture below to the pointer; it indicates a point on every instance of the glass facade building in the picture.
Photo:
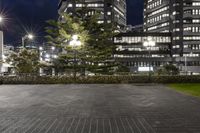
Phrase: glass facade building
(110, 10)
(181, 18)
(131, 52)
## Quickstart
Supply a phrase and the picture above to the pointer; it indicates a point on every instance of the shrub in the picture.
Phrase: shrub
(98, 79)
(168, 69)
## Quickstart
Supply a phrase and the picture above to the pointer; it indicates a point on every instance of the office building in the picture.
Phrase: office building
(110, 10)
(181, 18)
(131, 52)
(135, 28)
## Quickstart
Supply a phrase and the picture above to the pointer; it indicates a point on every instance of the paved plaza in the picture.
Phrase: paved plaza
(124, 108)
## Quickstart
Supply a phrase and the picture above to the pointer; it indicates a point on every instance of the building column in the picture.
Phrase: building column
(53, 72)
(41, 71)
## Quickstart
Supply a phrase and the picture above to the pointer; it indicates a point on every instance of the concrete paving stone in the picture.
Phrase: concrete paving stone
(123, 108)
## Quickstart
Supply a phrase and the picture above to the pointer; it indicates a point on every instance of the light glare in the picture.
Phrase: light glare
(40, 48)
(30, 36)
(52, 48)
(1, 19)
(75, 37)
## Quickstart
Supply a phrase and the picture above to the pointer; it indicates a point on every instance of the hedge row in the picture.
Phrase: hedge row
(99, 79)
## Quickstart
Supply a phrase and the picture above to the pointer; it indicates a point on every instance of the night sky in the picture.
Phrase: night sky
(30, 15)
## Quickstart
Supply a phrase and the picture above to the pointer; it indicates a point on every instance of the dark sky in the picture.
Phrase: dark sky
(30, 15)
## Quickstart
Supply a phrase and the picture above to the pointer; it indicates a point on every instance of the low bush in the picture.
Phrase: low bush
(176, 79)
(98, 79)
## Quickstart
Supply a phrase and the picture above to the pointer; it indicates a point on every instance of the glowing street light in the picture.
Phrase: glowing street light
(28, 36)
(149, 43)
(47, 56)
(40, 48)
(53, 48)
(55, 56)
(75, 37)
(74, 43)
(1, 19)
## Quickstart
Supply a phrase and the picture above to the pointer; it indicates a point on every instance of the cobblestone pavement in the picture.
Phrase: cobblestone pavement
(97, 109)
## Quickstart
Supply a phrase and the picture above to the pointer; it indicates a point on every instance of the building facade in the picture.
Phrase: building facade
(135, 28)
(110, 10)
(182, 19)
(131, 52)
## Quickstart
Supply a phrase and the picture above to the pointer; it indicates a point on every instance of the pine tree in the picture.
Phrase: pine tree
(100, 45)
(60, 34)
(25, 61)
(95, 55)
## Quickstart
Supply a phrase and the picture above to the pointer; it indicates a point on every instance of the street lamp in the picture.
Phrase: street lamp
(1, 44)
(1, 19)
(47, 56)
(55, 56)
(28, 36)
(186, 60)
(149, 43)
(75, 43)
(53, 48)
(41, 59)
(40, 48)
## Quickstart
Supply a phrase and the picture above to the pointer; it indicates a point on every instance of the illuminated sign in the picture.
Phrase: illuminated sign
(145, 69)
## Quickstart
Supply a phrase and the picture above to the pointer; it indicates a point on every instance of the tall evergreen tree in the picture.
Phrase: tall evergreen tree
(95, 55)
(60, 33)
(100, 45)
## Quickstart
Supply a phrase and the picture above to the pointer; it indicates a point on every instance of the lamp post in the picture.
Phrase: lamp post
(149, 43)
(40, 56)
(186, 60)
(1, 44)
(185, 64)
(75, 43)
(1, 19)
(28, 36)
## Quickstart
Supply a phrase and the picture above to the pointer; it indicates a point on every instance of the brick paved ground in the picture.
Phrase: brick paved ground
(97, 109)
